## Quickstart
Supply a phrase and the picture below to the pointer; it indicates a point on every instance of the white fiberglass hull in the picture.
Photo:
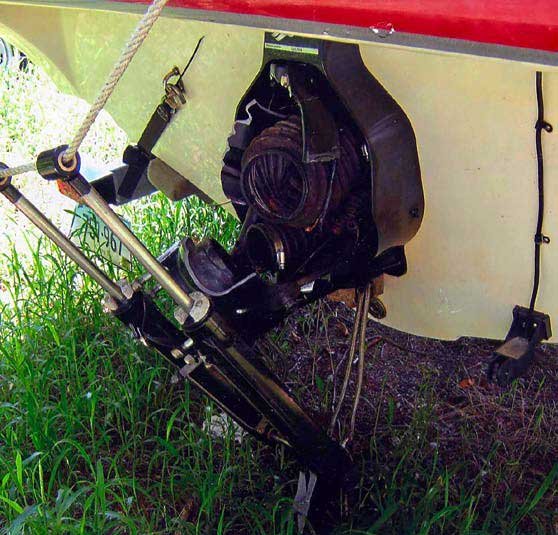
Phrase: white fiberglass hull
(473, 117)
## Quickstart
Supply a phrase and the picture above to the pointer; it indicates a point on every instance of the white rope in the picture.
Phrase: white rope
(135, 41)
(130, 49)
(19, 170)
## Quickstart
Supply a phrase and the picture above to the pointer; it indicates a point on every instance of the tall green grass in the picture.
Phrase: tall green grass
(94, 437)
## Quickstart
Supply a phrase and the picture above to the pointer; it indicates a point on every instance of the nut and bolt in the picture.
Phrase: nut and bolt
(180, 315)
(110, 304)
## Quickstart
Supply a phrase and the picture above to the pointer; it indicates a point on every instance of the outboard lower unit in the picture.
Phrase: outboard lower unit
(323, 172)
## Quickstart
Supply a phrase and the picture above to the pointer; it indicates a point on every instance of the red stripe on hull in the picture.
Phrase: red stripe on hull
(515, 23)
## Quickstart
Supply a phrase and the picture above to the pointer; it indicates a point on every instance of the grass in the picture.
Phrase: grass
(96, 437)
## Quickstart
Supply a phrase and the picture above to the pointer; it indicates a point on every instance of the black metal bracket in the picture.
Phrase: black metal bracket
(108, 184)
(320, 134)
(513, 358)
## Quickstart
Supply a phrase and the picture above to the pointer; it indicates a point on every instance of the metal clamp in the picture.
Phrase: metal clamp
(543, 125)
(541, 239)
(175, 93)
(513, 358)
(197, 314)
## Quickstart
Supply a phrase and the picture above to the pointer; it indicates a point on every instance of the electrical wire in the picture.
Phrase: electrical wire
(194, 53)
(540, 238)
(361, 361)
(348, 367)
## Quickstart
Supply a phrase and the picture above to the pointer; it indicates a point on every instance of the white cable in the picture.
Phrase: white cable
(135, 41)
(18, 170)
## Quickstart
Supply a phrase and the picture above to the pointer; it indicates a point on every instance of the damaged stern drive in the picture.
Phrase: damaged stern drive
(323, 172)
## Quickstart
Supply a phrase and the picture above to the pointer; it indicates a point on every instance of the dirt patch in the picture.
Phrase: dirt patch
(434, 394)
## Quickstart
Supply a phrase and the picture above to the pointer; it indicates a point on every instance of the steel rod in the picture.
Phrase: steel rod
(91, 198)
(29, 210)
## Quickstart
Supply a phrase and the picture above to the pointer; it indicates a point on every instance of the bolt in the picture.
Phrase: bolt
(127, 289)
(281, 260)
(189, 360)
(307, 288)
(176, 353)
(188, 343)
(180, 315)
(110, 304)
(136, 286)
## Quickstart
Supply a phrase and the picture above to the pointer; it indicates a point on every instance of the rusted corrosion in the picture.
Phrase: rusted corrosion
(283, 189)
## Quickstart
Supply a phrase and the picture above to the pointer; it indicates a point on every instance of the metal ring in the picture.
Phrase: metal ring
(64, 166)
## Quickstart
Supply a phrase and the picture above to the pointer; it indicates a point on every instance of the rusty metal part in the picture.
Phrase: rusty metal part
(354, 209)
(174, 91)
(348, 295)
(377, 309)
(344, 295)
(283, 189)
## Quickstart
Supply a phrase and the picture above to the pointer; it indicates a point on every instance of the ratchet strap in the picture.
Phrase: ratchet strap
(138, 156)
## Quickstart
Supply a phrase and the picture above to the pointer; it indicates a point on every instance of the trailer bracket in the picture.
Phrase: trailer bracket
(514, 357)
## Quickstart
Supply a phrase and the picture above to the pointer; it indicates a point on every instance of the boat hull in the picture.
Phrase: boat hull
(473, 116)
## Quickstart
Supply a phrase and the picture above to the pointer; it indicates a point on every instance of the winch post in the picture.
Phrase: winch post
(50, 165)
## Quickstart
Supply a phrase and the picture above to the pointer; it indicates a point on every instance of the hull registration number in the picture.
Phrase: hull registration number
(94, 236)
